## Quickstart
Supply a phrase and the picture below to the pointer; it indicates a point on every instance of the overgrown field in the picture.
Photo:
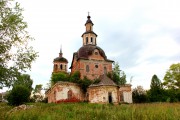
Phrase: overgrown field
(85, 111)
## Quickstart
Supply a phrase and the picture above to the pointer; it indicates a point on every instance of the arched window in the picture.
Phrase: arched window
(86, 40)
(69, 94)
(87, 68)
(61, 67)
(91, 39)
(105, 70)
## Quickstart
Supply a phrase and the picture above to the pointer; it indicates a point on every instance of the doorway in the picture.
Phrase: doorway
(110, 97)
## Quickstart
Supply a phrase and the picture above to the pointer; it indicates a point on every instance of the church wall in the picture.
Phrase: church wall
(125, 93)
(65, 92)
(127, 96)
(94, 72)
(100, 94)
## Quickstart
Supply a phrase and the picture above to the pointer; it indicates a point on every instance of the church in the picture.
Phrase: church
(91, 61)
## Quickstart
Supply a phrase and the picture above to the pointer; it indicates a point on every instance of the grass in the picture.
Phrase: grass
(85, 111)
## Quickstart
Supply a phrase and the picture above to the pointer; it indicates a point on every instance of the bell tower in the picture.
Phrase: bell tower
(60, 63)
(89, 37)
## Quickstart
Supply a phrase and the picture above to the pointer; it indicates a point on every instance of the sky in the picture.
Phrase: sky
(143, 36)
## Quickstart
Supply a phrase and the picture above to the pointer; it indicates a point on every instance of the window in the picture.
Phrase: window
(61, 67)
(69, 94)
(96, 53)
(87, 68)
(91, 39)
(96, 66)
(86, 40)
(65, 67)
(105, 70)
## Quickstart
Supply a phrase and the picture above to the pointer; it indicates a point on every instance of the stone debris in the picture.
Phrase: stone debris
(21, 107)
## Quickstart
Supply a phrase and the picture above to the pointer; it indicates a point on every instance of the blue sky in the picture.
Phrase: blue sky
(143, 36)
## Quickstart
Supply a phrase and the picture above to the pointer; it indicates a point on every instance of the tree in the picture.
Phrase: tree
(155, 83)
(122, 78)
(172, 77)
(38, 88)
(15, 54)
(18, 95)
(139, 95)
(117, 75)
(84, 83)
(24, 80)
(155, 93)
(37, 96)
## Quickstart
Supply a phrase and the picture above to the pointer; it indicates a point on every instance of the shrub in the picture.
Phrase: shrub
(18, 95)
(139, 95)
(60, 76)
(75, 77)
(84, 84)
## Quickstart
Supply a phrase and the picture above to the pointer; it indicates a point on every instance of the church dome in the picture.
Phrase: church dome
(60, 59)
(89, 20)
(87, 50)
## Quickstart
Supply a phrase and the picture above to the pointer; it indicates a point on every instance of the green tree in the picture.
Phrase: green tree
(117, 75)
(37, 96)
(172, 77)
(122, 78)
(24, 80)
(155, 83)
(60, 76)
(75, 77)
(18, 95)
(15, 54)
(155, 93)
(38, 88)
(84, 83)
(139, 95)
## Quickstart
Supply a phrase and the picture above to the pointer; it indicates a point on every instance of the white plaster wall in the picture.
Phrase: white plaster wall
(100, 95)
(127, 96)
(63, 94)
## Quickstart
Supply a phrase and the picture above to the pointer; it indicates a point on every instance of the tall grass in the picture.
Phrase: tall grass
(85, 111)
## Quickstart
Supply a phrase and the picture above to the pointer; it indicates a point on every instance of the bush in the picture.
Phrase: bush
(75, 77)
(84, 84)
(18, 95)
(139, 95)
(60, 76)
